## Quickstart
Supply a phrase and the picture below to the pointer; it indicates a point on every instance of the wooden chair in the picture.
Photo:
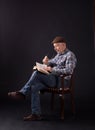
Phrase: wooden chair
(61, 92)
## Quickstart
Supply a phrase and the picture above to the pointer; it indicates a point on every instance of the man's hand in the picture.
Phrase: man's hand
(48, 68)
(45, 60)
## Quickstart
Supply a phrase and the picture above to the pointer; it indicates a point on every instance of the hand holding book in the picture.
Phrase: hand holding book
(48, 68)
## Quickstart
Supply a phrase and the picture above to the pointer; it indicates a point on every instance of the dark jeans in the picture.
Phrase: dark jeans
(37, 82)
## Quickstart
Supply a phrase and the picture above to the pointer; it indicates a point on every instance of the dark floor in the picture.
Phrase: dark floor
(11, 117)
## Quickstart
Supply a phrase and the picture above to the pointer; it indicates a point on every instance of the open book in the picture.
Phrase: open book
(40, 67)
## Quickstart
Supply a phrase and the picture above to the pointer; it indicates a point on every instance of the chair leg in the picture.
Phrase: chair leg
(62, 107)
(52, 101)
(73, 103)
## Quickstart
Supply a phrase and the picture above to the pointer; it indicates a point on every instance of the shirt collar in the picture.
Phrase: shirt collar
(65, 51)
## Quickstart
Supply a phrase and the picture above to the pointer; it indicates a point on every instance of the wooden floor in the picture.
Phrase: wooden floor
(11, 118)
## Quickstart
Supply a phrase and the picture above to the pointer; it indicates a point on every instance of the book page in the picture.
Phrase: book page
(40, 67)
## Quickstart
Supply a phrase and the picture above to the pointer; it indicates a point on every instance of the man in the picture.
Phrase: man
(63, 63)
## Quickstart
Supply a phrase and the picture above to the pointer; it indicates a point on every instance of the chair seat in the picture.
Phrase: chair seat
(56, 90)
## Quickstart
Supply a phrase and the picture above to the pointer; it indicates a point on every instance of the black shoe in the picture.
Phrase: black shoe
(32, 117)
(16, 95)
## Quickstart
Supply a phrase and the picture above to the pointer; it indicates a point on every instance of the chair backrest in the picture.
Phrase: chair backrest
(70, 84)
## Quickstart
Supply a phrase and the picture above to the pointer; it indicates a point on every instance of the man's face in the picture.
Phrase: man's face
(59, 47)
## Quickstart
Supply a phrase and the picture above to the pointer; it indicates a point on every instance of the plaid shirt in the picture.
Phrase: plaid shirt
(63, 63)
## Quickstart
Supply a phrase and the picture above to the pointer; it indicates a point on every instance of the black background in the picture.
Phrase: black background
(26, 31)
